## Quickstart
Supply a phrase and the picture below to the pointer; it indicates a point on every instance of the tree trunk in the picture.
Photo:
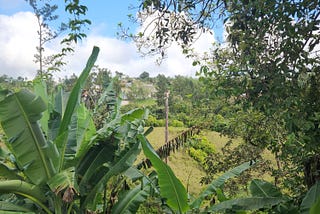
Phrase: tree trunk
(312, 170)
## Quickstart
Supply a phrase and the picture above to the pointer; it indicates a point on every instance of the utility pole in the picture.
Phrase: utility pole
(166, 97)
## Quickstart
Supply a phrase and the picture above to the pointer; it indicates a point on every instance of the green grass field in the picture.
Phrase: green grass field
(186, 168)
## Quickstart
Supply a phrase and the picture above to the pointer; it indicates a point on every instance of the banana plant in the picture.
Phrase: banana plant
(267, 197)
(55, 161)
(129, 200)
(42, 139)
(263, 195)
(171, 187)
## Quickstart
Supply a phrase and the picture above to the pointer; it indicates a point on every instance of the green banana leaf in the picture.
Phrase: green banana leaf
(315, 209)
(105, 153)
(239, 204)
(13, 212)
(86, 130)
(113, 137)
(62, 180)
(311, 200)
(93, 162)
(133, 115)
(81, 131)
(134, 174)
(25, 189)
(126, 160)
(56, 114)
(8, 172)
(40, 89)
(260, 188)
(60, 100)
(7, 207)
(105, 149)
(212, 188)
(72, 103)
(19, 116)
(124, 126)
(171, 187)
(76, 91)
(129, 201)
(108, 105)
(3, 93)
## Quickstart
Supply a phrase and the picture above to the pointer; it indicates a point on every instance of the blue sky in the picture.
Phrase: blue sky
(103, 13)
(111, 13)
(18, 40)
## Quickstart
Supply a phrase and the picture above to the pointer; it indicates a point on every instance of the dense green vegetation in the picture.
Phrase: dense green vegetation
(71, 147)
(266, 74)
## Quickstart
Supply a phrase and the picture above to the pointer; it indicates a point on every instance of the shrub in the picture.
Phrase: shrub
(201, 142)
(200, 149)
(153, 121)
(219, 123)
(176, 123)
(197, 154)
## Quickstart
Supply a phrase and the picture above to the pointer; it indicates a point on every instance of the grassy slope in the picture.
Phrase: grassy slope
(185, 168)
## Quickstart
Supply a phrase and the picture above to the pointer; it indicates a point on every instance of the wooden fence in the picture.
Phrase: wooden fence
(171, 146)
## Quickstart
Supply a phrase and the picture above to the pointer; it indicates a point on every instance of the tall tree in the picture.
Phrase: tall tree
(269, 64)
(45, 12)
(273, 64)
(144, 75)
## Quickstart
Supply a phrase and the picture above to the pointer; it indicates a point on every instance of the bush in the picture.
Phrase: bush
(219, 123)
(201, 148)
(201, 142)
(153, 121)
(187, 120)
(176, 123)
(197, 154)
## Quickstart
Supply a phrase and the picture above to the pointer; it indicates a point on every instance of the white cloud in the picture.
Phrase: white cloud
(121, 56)
(204, 42)
(18, 40)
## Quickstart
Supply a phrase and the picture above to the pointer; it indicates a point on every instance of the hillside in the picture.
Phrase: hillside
(186, 168)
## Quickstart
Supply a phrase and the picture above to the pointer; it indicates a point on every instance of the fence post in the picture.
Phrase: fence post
(167, 93)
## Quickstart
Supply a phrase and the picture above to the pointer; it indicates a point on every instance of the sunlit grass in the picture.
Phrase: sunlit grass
(157, 137)
(186, 168)
(144, 103)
